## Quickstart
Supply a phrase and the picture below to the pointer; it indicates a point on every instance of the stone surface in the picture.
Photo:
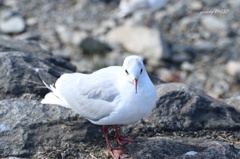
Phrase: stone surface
(215, 25)
(29, 47)
(178, 125)
(175, 148)
(29, 129)
(233, 69)
(186, 66)
(191, 109)
(178, 10)
(204, 46)
(64, 33)
(134, 7)
(17, 67)
(11, 22)
(184, 108)
(69, 36)
(196, 5)
(234, 101)
(32, 125)
(140, 40)
(91, 46)
(189, 23)
(180, 22)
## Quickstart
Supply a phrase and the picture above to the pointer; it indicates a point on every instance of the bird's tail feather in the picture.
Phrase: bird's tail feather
(52, 97)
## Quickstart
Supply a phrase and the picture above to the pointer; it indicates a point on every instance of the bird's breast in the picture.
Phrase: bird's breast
(137, 106)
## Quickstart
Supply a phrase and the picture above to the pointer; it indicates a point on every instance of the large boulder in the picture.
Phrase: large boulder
(29, 129)
(187, 108)
(18, 61)
(234, 101)
(215, 25)
(11, 22)
(140, 40)
(184, 108)
(27, 126)
(182, 148)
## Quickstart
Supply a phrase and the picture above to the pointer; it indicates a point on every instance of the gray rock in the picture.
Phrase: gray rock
(64, 34)
(32, 125)
(11, 22)
(104, 27)
(32, 21)
(212, 3)
(180, 107)
(17, 67)
(13, 158)
(32, 130)
(177, 147)
(165, 74)
(196, 5)
(29, 47)
(224, 43)
(140, 40)
(91, 46)
(29, 36)
(190, 109)
(205, 46)
(182, 53)
(234, 101)
(73, 137)
(178, 10)
(69, 36)
(10, 3)
(78, 37)
(5, 37)
(88, 26)
(233, 69)
(186, 66)
(138, 7)
(215, 25)
(189, 23)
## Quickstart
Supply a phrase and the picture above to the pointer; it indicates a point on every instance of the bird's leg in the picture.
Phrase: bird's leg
(114, 152)
(122, 140)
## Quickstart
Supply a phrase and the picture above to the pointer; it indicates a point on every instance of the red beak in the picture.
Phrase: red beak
(135, 84)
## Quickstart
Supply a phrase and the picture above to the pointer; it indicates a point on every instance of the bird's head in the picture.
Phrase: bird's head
(134, 69)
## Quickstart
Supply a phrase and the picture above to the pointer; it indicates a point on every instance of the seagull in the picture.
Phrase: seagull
(127, 7)
(113, 95)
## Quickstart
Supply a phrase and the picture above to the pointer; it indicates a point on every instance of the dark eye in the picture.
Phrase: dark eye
(126, 72)
(141, 71)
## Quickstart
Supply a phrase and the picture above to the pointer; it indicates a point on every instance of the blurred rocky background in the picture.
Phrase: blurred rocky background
(195, 42)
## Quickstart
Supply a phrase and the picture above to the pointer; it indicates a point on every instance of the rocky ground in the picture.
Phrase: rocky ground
(194, 43)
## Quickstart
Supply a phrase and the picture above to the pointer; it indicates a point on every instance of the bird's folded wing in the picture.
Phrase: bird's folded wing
(92, 96)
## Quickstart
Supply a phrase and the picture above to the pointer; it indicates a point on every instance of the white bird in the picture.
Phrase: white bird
(110, 96)
(130, 6)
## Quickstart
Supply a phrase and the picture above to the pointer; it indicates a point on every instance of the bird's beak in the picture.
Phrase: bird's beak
(135, 84)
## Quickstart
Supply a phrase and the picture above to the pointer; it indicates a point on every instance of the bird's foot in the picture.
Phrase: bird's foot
(115, 153)
(123, 140)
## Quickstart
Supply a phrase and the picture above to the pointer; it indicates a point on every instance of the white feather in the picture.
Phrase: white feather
(50, 98)
(53, 97)
(107, 96)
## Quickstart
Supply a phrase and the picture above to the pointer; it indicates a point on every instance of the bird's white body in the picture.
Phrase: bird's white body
(131, 106)
(107, 96)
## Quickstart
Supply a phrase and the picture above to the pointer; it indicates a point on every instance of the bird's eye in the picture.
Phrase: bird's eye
(141, 71)
(126, 72)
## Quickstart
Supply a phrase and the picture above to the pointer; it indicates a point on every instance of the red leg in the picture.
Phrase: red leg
(122, 140)
(114, 152)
